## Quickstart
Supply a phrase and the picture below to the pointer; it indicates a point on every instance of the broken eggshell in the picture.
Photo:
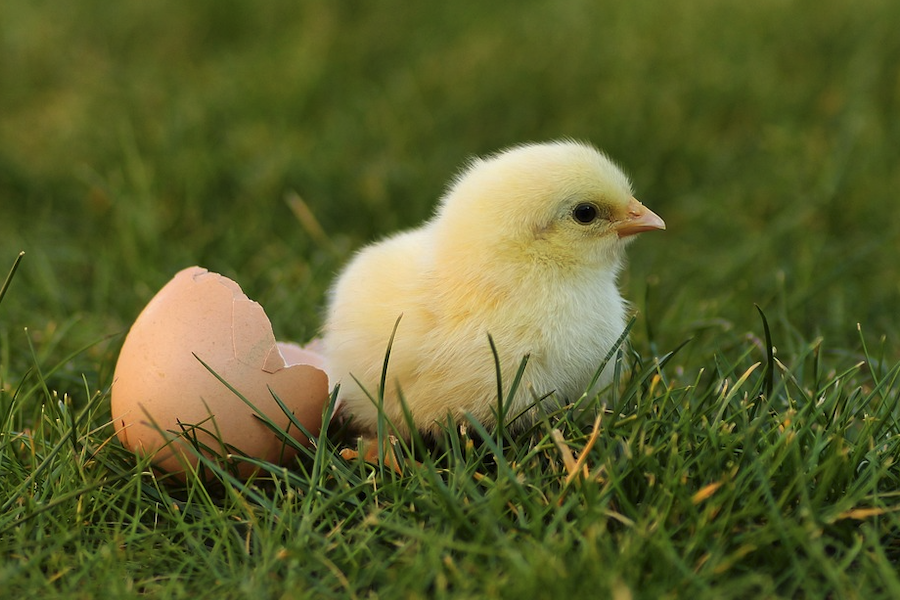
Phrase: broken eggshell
(166, 403)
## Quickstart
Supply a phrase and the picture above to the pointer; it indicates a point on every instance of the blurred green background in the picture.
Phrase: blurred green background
(138, 138)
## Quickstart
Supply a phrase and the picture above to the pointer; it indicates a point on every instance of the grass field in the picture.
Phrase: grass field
(140, 138)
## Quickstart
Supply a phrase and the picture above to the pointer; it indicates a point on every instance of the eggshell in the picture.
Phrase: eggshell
(162, 393)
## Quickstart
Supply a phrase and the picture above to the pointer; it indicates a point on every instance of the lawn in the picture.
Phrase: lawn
(751, 446)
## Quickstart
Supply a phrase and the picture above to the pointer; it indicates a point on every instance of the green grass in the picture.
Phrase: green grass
(140, 138)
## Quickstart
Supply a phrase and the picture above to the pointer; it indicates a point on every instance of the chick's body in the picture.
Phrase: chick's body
(525, 247)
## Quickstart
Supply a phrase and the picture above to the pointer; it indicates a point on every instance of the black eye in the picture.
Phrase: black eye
(585, 213)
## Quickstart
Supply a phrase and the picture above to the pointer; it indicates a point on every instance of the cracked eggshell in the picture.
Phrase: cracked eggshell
(160, 389)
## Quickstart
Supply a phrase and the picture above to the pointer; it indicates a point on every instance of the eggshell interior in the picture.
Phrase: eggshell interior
(164, 400)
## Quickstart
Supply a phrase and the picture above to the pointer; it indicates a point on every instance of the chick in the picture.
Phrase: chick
(525, 247)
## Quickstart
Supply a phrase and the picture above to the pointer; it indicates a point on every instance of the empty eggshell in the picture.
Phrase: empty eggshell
(162, 394)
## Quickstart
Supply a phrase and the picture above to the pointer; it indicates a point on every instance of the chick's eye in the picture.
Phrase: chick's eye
(585, 213)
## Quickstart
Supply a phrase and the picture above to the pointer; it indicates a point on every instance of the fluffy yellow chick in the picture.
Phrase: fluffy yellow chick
(525, 247)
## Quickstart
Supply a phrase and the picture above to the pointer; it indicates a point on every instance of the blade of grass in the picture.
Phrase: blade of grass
(10, 275)
(770, 354)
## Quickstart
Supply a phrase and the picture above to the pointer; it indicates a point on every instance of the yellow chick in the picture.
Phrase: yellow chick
(525, 247)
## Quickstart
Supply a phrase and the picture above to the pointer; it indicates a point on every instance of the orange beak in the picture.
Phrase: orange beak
(637, 218)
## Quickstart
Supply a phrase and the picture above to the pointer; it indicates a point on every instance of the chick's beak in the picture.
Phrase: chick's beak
(637, 218)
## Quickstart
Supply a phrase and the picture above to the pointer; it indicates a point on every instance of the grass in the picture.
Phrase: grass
(744, 454)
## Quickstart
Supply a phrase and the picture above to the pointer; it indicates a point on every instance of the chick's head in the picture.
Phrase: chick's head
(558, 204)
